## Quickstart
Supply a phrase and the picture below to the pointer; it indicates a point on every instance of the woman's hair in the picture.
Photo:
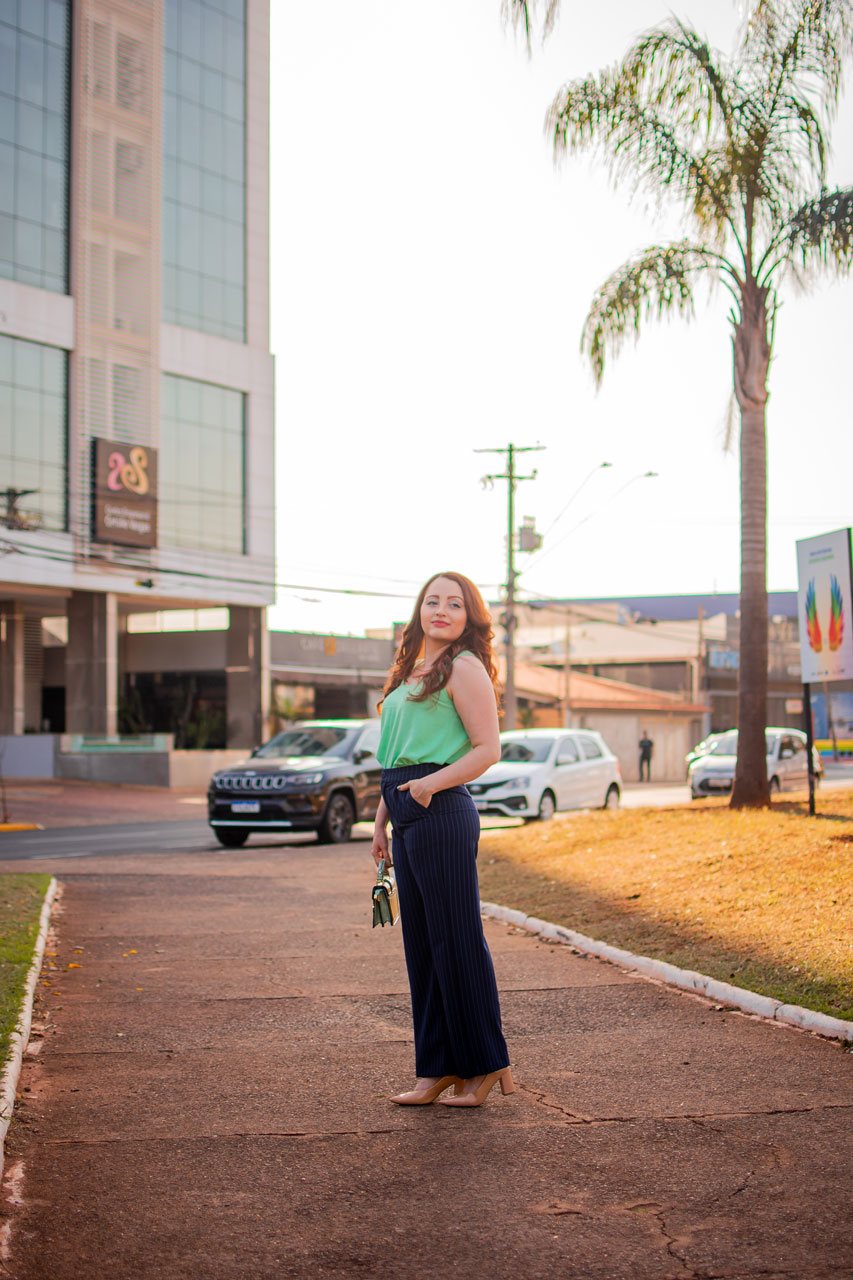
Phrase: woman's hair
(476, 638)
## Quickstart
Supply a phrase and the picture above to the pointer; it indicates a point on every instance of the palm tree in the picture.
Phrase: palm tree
(742, 144)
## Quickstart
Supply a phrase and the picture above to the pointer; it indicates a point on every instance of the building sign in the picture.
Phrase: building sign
(723, 659)
(825, 607)
(124, 488)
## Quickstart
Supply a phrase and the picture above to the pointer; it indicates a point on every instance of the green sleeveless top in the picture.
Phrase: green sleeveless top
(427, 732)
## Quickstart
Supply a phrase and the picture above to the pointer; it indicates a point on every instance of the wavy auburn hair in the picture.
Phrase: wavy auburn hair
(476, 638)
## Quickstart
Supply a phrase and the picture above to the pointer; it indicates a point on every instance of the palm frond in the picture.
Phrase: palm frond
(656, 283)
(805, 39)
(820, 233)
(641, 146)
(730, 424)
(680, 74)
(521, 13)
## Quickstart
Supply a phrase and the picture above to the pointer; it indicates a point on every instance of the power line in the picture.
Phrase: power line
(141, 569)
(58, 557)
(540, 556)
(582, 485)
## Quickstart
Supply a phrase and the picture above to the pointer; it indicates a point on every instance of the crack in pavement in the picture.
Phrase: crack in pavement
(779, 1156)
(549, 1104)
(671, 1242)
(540, 1099)
(820, 1273)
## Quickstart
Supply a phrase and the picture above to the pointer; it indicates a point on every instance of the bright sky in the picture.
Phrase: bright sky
(431, 271)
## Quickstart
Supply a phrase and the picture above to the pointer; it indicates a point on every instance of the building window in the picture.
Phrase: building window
(33, 435)
(202, 466)
(204, 178)
(34, 117)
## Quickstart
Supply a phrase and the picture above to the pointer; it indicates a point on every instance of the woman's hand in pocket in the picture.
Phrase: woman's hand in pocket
(419, 789)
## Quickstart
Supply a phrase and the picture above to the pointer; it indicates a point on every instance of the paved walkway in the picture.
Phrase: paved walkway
(207, 1096)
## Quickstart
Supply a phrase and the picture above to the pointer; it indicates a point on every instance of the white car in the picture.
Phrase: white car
(701, 749)
(542, 770)
(787, 764)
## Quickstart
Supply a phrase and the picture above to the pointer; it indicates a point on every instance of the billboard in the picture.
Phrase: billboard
(825, 607)
(124, 493)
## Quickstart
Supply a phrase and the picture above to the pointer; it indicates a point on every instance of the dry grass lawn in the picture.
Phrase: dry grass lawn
(763, 899)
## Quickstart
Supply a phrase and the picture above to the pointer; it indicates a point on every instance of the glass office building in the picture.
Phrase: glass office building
(136, 382)
(204, 167)
(35, 45)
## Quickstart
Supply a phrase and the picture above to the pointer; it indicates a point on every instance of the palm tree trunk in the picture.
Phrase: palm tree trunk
(751, 364)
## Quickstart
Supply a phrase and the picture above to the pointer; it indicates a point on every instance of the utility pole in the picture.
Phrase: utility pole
(509, 618)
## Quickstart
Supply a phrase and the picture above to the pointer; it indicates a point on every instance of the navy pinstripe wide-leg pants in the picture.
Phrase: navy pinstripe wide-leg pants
(455, 1006)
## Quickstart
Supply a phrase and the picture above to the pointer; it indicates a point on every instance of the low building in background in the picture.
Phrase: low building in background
(685, 646)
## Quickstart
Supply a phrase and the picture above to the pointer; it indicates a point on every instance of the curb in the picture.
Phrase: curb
(792, 1015)
(21, 826)
(19, 1038)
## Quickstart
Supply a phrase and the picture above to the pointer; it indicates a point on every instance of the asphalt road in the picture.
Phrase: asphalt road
(131, 838)
(194, 835)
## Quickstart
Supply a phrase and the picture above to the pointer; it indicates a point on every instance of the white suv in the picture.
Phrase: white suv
(542, 770)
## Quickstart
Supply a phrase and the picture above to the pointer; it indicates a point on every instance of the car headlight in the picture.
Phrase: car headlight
(516, 784)
(307, 779)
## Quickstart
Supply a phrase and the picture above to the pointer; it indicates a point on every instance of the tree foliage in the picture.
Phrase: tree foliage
(522, 14)
(740, 144)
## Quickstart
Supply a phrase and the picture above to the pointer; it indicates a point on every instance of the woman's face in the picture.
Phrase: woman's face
(443, 613)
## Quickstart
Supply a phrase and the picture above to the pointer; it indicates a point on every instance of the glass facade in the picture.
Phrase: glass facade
(204, 179)
(33, 432)
(202, 466)
(34, 118)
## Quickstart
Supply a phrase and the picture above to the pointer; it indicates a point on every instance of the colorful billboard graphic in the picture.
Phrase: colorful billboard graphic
(124, 494)
(825, 607)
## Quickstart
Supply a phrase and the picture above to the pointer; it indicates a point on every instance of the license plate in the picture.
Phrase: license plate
(481, 804)
(719, 784)
(246, 806)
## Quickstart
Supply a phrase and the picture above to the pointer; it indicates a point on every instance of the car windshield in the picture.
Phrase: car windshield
(526, 750)
(726, 744)
(314, 740)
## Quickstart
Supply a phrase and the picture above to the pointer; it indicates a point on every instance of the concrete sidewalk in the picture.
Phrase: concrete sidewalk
(209, 1098)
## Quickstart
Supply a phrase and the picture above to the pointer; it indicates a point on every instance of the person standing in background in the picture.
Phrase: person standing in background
(646, 747)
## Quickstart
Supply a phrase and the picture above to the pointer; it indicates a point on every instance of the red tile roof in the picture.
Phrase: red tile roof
(594, 693)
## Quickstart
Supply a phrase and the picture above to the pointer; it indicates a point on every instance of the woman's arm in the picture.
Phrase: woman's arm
(474, 698)
(380, 848)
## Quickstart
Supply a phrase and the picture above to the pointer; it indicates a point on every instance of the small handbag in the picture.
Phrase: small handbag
(386, 907)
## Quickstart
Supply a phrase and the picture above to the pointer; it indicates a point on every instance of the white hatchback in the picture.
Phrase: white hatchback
(542, 770)
(787, 764)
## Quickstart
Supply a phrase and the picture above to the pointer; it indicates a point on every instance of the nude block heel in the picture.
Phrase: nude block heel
(422, 1097)
(476, 1096)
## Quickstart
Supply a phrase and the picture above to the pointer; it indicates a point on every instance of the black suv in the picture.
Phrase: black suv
(320, 775)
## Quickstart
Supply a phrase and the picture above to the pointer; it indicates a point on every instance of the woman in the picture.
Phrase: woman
(440, 730)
